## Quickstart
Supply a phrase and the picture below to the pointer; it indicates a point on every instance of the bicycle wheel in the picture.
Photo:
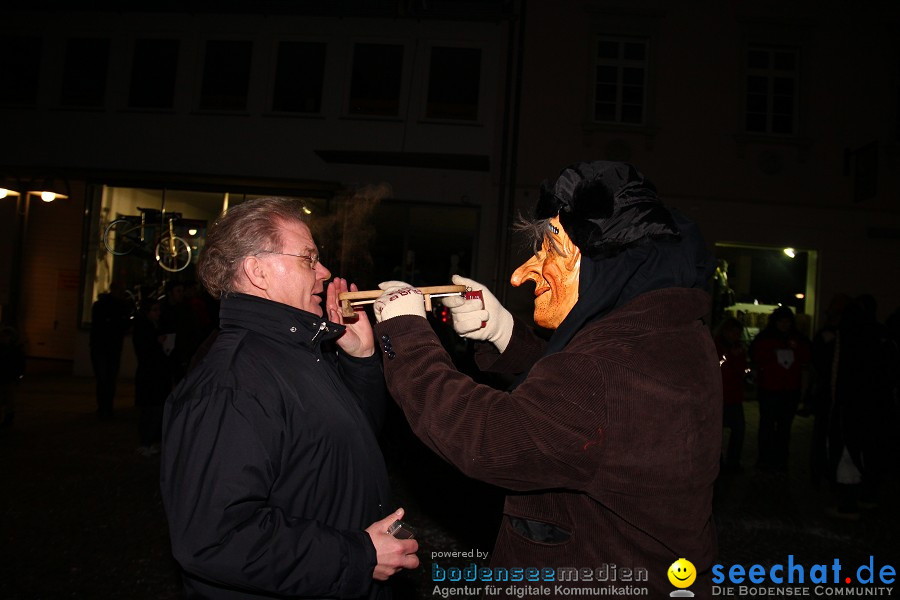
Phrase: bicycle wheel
(173, 254)
(122, 236)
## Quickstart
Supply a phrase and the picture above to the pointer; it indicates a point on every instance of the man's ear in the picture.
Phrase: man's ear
(255, 272)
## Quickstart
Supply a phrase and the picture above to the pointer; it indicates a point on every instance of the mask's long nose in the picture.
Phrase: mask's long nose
(530, 270)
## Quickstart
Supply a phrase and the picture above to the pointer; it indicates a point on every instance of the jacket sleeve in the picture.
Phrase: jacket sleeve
(365, 378)
(219, 463)
(524, 349)
(538, 436)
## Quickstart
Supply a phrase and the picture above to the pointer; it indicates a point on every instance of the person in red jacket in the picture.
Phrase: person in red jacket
(781, 355)
(609, 442)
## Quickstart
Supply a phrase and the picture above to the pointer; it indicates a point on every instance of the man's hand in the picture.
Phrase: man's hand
(399, 298)
(358, 340)
(468, 316)
(393, 554)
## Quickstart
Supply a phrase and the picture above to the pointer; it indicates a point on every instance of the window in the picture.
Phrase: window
(226, 75)
(422, 242)
(376, 79)
(299, 77)
(135, 265)
(153, 69)
(771, 90)
(620, 80)
(454, 78)
(20, 63)
(84, 72)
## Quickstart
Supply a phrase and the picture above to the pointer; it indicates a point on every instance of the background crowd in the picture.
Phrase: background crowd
(845, 378)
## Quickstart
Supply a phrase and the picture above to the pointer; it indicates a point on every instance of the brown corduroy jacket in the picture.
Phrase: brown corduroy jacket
(614, 441)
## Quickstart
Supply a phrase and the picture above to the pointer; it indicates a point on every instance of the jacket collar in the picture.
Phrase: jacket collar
(276, 320)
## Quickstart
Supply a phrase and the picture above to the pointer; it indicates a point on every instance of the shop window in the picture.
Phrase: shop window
(771, 90)
(133, 234)
(124, 248)
(226, 75)
(620, 79)
(432, 243)
(454, 79)
(20, 63)
(299, 77)
(153, 69)
(376, 80)
(84, 72)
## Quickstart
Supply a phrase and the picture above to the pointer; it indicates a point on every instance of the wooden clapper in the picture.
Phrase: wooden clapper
(350, 299)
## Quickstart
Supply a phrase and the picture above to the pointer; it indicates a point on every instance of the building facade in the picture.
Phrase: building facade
(772, 124)
(415, 132)
(386, 119)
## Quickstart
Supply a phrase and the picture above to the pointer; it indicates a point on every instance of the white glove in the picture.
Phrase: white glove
(399, 298)
(468, 316)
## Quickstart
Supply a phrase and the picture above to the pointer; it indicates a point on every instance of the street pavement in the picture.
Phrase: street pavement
(81, 515)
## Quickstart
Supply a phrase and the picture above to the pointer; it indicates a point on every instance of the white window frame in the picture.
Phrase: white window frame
(620, 64)
(771, 73)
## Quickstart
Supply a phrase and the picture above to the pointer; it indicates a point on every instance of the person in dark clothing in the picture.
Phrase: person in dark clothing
(609, 441)
(153, 377)
(178, 321)
(733, 363)
(818, 399)
(110, 320)
(892, 452)
(859, 414)
(781, 355)
(12, 369)
(272, 479)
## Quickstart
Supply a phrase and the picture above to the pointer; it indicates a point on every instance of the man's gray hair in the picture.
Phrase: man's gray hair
(244, 230)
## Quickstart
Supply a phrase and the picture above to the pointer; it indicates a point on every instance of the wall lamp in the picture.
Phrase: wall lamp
(48, 189)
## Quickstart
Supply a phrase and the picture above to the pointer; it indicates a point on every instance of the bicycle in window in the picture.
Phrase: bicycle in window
(127, 234)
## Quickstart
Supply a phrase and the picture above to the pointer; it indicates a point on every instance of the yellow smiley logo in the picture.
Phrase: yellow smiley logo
(682, 573)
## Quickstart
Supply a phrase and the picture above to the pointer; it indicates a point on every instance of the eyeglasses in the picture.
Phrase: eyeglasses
(312, 258)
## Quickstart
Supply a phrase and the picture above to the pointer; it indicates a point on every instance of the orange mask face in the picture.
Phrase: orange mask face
(554, 271)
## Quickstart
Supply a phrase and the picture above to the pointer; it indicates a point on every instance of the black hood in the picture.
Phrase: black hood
(606, 207)
(630, 242)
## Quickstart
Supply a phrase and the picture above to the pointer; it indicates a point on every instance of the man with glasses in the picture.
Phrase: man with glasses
(272, 479)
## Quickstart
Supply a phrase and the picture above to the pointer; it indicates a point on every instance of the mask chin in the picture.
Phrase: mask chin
(549, 317)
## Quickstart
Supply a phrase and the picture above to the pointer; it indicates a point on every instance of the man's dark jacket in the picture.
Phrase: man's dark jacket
(270, 466)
